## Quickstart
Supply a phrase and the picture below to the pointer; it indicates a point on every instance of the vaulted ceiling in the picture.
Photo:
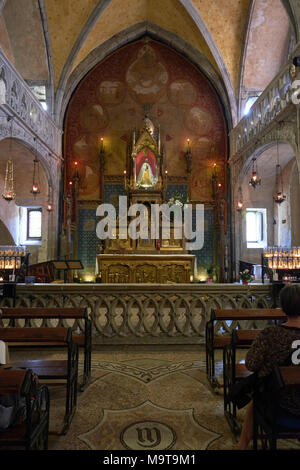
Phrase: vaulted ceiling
(245, 41)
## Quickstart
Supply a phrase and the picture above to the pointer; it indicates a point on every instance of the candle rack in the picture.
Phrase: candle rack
(11, 261)
(281, 264)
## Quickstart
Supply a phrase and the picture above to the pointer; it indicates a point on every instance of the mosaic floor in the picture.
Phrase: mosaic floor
(145, 398)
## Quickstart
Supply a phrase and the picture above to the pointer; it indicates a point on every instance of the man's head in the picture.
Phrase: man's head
(290, 300)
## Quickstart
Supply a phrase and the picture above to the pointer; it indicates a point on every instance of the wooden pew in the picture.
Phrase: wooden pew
(52, 370)
(214, 342)
(266, 428)
(234, 371)
(60, 313)
(33, 432)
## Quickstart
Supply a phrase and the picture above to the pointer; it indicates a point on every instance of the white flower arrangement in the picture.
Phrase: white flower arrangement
(177, 200)
(246, 276)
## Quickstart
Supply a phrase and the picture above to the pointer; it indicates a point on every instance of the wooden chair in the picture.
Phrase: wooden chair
(266, 427)
(33, 432)
(214, 342)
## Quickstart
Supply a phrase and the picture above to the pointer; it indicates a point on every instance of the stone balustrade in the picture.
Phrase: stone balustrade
(269, 106)
(143, 314)
(18, 100)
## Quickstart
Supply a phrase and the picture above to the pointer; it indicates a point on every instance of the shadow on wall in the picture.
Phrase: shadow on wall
(5, 236)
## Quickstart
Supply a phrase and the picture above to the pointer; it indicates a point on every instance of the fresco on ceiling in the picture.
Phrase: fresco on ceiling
(111, 101)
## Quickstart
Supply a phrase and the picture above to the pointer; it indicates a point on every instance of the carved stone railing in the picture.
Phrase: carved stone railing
(19, 101)
(140, 314)
(274, 101)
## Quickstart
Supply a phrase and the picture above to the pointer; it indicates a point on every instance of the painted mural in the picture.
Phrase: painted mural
(145, 76)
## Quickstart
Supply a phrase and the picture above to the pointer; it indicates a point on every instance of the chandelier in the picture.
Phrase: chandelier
(8, 192)
(254, 180)
(278, 197)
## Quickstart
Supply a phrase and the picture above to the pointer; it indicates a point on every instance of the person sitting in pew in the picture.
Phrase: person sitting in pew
(274, 345)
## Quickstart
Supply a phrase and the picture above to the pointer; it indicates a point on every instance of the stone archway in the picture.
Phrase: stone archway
(278, 216)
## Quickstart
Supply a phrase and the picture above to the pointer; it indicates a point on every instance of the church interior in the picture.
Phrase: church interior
(109, 111)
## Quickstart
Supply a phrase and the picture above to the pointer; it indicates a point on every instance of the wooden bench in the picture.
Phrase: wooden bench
(61, 313)
(266, 400)
(66, 371)
(33, 432)
(234, 371)
(213, 342)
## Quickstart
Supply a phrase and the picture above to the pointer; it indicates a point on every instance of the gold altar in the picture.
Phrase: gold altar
(145, 268)
(145, 259)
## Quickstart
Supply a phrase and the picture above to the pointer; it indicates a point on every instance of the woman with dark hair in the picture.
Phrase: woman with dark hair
(274, 346)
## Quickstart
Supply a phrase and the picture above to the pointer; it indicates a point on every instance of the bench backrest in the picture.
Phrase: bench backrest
(290, 375)
(249, 314)
(245, 337)
(43, 312)
(12, 380)
(42, 334)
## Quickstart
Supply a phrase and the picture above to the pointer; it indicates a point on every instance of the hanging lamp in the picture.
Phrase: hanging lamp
(239, 204)
(254, 180)
(50, 200)
(278, 197)
(8, 192)
(36, 176)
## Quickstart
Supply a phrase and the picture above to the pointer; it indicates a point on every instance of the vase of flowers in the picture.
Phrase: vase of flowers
(246, 277)
(178, 200)
(212, 272)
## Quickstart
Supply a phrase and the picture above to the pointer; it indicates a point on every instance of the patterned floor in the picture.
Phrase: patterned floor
(145, 398)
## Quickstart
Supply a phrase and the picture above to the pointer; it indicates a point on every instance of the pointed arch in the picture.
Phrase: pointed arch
(96, 13)
(191, 9)
(134, 33)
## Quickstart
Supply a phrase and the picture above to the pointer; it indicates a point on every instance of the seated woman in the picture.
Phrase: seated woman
(273, 346)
